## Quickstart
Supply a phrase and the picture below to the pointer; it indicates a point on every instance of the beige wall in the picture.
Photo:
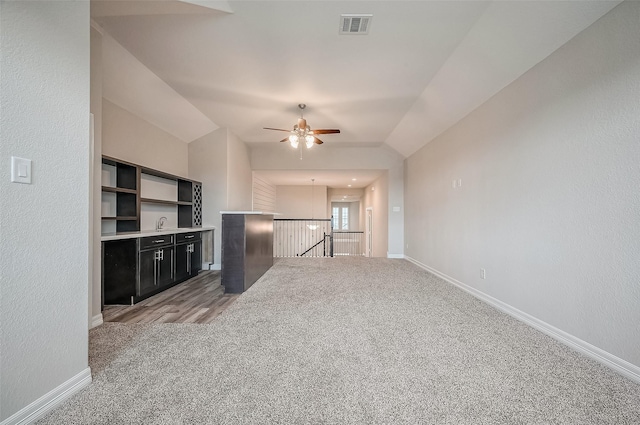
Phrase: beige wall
(130, 138)
(297, 202)
(549, 202)
(376, 196)
(239, 176)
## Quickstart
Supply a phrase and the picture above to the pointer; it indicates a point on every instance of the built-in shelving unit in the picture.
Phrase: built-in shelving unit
(135, 197)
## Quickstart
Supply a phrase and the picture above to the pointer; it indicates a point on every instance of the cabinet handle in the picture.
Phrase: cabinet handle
(155, 268)
(158, 241)
(189, 237)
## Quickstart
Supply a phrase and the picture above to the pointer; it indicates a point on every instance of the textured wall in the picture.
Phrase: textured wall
(549, 198)
(43, 226)
(130, 138)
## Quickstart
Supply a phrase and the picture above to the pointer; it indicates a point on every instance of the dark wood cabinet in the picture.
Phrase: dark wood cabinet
(119, 271)
(122, 196)
(188, 260)
(136, 268)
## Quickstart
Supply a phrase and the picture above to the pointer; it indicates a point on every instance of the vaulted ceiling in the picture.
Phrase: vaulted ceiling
(422, 67)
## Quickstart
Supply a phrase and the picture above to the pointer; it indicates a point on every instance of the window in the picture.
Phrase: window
(345, 218)
(340, 218)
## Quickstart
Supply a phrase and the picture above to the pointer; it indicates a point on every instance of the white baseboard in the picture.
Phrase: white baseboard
(96, 320)
(619, 365)
(50, 401)
(395, 255)
(215, 267)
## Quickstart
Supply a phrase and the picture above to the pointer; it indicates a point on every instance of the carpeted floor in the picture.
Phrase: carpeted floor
(346, 341)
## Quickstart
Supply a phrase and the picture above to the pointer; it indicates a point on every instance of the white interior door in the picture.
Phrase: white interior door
(369, 232)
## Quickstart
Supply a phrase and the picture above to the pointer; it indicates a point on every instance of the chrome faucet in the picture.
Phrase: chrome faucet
(161, 222)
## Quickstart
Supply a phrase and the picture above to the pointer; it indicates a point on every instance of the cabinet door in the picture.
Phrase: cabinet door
(148, 272)
(196, 258)
(165, 266)
(182, 261)
(119, 271)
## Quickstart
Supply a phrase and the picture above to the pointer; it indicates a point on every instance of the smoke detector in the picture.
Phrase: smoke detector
(355, 23)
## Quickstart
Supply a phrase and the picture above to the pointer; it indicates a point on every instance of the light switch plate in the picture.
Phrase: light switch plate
(20, 170)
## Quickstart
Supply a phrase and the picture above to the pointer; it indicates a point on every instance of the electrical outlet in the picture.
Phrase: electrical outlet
(483, 274)
(459, 182)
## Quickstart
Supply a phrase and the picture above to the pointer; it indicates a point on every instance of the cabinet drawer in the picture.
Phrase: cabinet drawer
(187, 237)
(153, 241)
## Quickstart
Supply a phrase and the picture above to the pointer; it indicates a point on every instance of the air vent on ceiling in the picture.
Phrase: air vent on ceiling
(355, 23)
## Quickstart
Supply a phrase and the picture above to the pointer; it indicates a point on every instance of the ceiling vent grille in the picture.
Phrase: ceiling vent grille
(355, 24)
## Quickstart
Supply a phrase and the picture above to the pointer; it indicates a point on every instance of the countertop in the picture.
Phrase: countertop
(143, 233)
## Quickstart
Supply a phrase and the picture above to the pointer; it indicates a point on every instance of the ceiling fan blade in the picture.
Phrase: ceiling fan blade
(286, 139)
(326, 131)
(317, 141)
(277, 129)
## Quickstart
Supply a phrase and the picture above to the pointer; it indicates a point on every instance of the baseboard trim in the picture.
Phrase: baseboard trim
(605, 358)
(395, 255)
(50, 401)
(96, 320)
(215, 267)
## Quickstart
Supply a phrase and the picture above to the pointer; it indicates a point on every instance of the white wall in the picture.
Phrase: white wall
(376, 197)
(302, 202)
(239, 175)
(44, 226)
(130, 138)
(208, 164)
(221, 162)
(549, 198)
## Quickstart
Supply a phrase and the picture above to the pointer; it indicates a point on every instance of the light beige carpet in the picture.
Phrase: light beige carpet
(346, 341)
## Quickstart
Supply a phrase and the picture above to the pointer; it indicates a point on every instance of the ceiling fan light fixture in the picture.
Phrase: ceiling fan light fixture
(293, 139)
(310, 140)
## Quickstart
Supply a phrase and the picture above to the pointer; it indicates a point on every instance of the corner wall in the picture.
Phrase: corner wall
(549, 202)
(130, 138)
(44, 226)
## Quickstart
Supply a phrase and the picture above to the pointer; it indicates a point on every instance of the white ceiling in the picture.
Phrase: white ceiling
(423, 66)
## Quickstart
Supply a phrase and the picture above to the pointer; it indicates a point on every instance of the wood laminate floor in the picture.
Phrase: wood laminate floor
(198, 300)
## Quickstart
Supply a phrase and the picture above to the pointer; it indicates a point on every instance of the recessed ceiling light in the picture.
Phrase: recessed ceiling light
(353, 180)
(348, 185)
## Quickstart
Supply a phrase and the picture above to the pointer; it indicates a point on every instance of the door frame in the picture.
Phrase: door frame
(369, 232)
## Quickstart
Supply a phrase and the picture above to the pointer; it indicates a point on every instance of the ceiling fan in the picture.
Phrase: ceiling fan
(302, 131)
